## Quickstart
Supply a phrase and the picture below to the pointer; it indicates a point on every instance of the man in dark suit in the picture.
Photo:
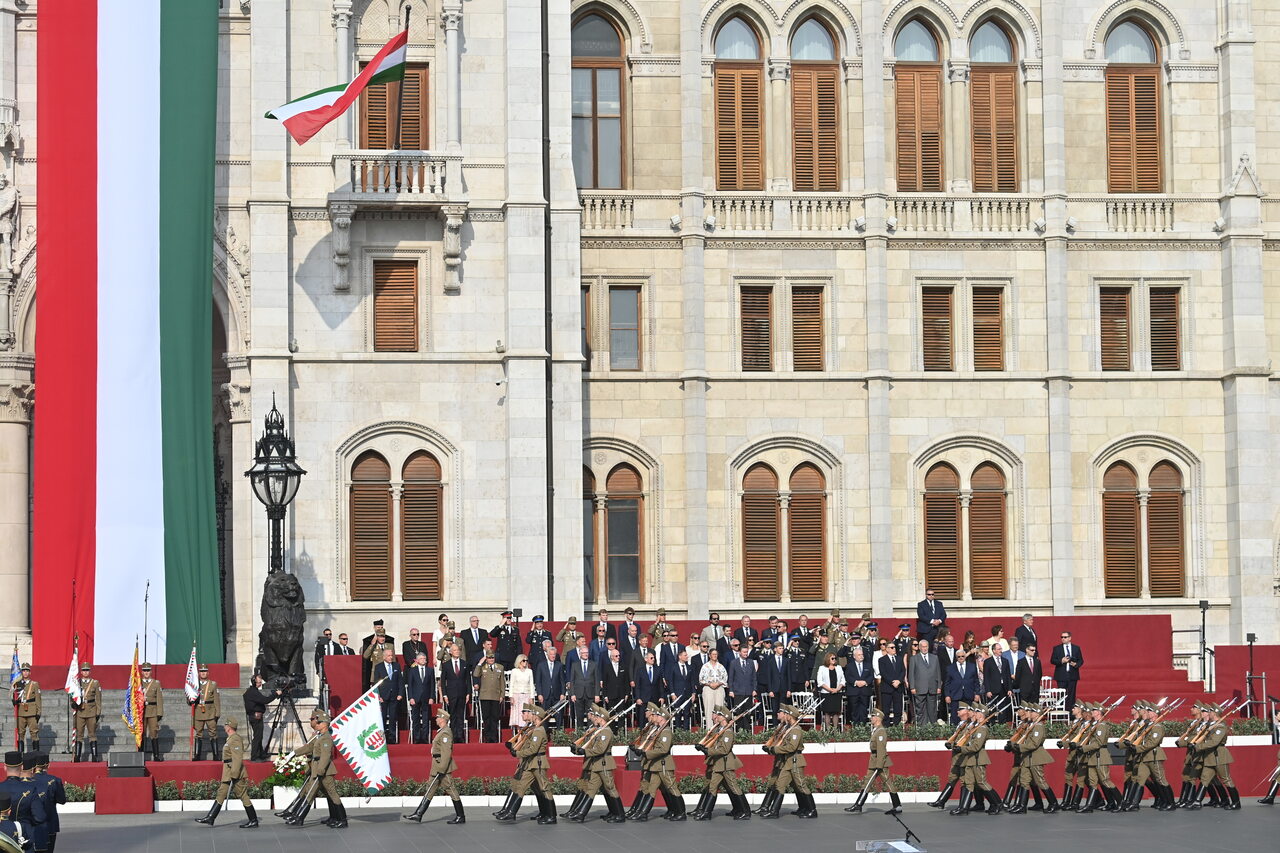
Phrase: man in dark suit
(534, 641)
(997, 681)
(1066, 660)
(679, 686)
(473, 642)
(929, 615)
(669, 652)
(550, 683)
(602, 620)
(742, 681)
(893, 685)
(380, 637)
(412, 647)
(946, 651)
(961, 684)
(455, 685)
(584, 686)
(744, 633)
(390, 693)
(774, 679)
(628, 620)
(1026, 632)
(776, 632)
(629, 644)
(420, 689)
(646, 681)
(1026, 678)
(506, 641)
(598, 648)
(324, 646)
(615, 680)
(859, 686)
(925, 678)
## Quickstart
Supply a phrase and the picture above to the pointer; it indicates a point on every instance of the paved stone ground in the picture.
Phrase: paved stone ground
(1251, 830)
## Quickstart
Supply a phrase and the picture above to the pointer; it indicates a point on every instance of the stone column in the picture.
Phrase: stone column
(342, 43)
(784, 545)
(958, 132)
(602, 556)
(966, 497)
(1144, 561)
(245, 512)
(15, 512)
(452, 19)
(397, 490)
(779, 125)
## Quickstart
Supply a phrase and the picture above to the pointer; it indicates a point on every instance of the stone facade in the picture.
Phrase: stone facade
(493, 388)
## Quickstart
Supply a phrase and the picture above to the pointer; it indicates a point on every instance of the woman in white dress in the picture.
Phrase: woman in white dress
(713, 677)
(520, 690)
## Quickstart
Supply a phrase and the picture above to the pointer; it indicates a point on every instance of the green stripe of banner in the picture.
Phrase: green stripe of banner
(188, 109)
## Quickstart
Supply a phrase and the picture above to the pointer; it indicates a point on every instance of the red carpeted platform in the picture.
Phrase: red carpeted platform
(124, 796)
(116, 676)
(1232, 662)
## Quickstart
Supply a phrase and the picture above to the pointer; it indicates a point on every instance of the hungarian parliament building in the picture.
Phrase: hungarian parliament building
(748, 306)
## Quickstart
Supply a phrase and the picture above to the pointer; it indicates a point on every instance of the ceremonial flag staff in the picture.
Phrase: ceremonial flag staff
(400, 90)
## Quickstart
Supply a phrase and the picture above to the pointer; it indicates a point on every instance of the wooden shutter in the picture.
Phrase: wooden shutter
(1120, 547)
(993, 92)
(378, 105)
(1133, 129)
(806, 328)
(942, 531)
(739, 95)
(760, 523)
(988, 328)
(757, 328)
(1166, 339)
(815, 123)
(370, 529)
(935, 311)
(918, 99)
(806, 534)
(1165, 559)
(395, 306)
(987, 531)
(421, 529)
(1113, 311)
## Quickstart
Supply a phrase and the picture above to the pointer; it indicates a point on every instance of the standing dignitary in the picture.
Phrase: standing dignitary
(972, 746)
(493, 685)
(658, 769)
(455, 685)
(325, 646)
(87, 712)
(506, 640)
(615, 681)
(371, 650)
(925, 677)
(390, 693)
(530, 748)
(1066, 660)
(893, 684)
(255, 708)
(1026, 678)
(584, 685)
(997, 681)
(235, 778)
(473, 642)
(745, 634)
(207, 707)
(52, 794)
(1026, 633)
(442, 769)
(412, 647)
(930, 614)
(679, 683)
(550, 683)
(742, 678)
(860, 685)
(321, 776)
(534, 639)
(717, 746)
(787, 748)
(1031, 760)
(27, 707)
(879, 764)
(152, 713)
(597, 770)
(961, 683)
(420, 688)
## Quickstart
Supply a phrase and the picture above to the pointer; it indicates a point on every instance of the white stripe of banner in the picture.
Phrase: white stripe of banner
(130, 493)
(395, 57)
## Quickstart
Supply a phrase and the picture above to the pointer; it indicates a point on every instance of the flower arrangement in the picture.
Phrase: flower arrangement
(289, 771)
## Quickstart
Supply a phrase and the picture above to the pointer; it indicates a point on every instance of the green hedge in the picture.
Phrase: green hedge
(78, 794)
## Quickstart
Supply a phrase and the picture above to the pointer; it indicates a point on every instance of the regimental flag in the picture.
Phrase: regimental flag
(192, 685)
(73, 674)
(304, 117)
(123, 470)
(360, 739)
(134, 701)
(15, 668)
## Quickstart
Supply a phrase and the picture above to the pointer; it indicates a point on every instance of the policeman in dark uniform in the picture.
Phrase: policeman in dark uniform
(535, 639)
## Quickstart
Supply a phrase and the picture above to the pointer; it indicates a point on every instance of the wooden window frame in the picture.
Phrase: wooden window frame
(1131, 182)
(980, 362)
(603, 577)
(1117, 503)
(595, 63)
(818, 69)
(639, 295)
(1165, 360)
(374, 488)
(734, 68)
(416, 325)
(904, 72)
(925, 291)
(979, 495)
(437, 487)
(819, 292)
(798, 497)
(767, 291)
(761, 495)
(1164, 501)
(948, 500)
(1109, 353)
(980, 73)
(391, 92)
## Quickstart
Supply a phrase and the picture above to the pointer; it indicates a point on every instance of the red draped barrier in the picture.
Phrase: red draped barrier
(134, 795)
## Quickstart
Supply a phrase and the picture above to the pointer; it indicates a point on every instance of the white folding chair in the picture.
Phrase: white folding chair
(800, 699)
(1056, 698)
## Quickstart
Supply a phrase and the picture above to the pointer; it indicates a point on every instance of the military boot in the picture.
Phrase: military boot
(676, 810)
(93, 751)
(996, 804)
(705, 810)
(577, 802)
(775, 807)
(897, 803)
(251, 818)
(1270, 798)
(546, 809)
(1019, 802)
(743, 807)
(513, 802)
(212, 815)
(646, 805)
(616, 814)
(75, 756)
(1010, 794)
(943, 796)
(1195, 802)
(583, 810)
(416, 817)
(966, 800)
(635, 806)
(1184, 796)
(1234, 805)
(338, 820)
(1051, 799)
(459, 816)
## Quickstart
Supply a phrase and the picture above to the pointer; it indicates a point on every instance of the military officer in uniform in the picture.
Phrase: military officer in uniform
(1191, 765)
(1212, 748)
(1270, 798)
(598, 767)
(879, 763)
(721, 764)
(1071, 770)
(442, 769)
(489, 673)
(1151, 758)
(152, 713)
(787, 749)
(974, 761)
(531, 770)
(1032, 758)
(235, 778)
(320, 748)
(568, 636)
(27, 706)
(207, 710)
(1097, 758)
(658, 769)
(27, 809)
(9, 827)
(52, 794)
(957, 770)
(87, 711)
(660, 626)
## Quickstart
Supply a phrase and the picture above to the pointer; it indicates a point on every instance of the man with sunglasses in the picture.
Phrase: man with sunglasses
(930, 615)
(1066, 660)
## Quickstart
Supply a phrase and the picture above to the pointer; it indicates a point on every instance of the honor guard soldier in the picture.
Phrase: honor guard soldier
(207, 709)
(1150, 756)
(1191, 764)
(529, 745)
(957, 770)
(972, 746)
(879, 765)
(568, 636)
(660, 626)
(235, 778)
(27, 706)
(1097, 759)
(12, 838)
(53, 793)
(658, 768)
(1270, 798)
(442, 769)
(28, 812)
(786, 746)
(598, 767)
(493, 684)
(1071, 788)
(320, 748)
(717, 746)
(1211, 746)
(87, 712)
(152, 713)
(1031, 761)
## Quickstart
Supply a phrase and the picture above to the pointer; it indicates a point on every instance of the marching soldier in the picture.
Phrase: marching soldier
(27, 706)
(1130, 761)
(235, 778)
(788, 763)
(660, 626)
(530, 746)
(1032, 758)
(320, 748)
(1270, 798)
(597, 770)
(152, 713)
(956, 770)
(721, 764)
(52, 794)
(879, 764)
(207, 710)
(974, 761)
(1071, 791)
(489, 673)
(442, 769)
(658, 771)
(1150, 758)
(1097, 758)
(1191, 763)
(87, 712)
(1212, 747)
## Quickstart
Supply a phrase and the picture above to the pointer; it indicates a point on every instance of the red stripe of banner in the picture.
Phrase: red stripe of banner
(67, 339)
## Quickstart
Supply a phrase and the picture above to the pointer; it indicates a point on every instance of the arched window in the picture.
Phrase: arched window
(1120, 549)
(760, 535)
(917, 88)
(942, 531)
(370, 495)
(1165, 548)
(806, 534)
(1133, 110)
(421, 534)
(598, 100)
(987, 526)
(815, 108)
(739, 105)
(624, 526)
(993, 107)
(588, 536)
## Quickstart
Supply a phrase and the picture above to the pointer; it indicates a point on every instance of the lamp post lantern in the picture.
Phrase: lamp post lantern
(275, 477)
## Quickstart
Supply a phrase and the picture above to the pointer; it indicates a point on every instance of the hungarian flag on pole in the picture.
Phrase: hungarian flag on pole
(123, 471)
(73, 674)
(303, 117)
(360, 739)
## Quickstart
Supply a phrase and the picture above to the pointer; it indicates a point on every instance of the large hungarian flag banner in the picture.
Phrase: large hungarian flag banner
(123, 468)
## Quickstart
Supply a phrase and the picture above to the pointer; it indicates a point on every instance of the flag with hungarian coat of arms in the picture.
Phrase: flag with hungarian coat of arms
(362, 742)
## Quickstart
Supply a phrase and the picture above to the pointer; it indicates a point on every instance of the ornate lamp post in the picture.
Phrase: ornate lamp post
(275, 476)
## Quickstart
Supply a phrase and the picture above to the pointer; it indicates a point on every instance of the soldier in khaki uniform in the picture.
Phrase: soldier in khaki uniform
(493, 683)
(444, 643)
(152, 713)
(1191, 765)
(658, 769)
(879, 764)
(320, 748)
(721, 764)
(27, 706)
(953, 778)
(1032, 760)
(974, 761)
(789, 764)
(207, 708)
(442, 769)
(87, 711)
(531, 769)
(660, 626)
(1097, 758)
(1212, 748)
(1150, 758)
(598, 767)
(568, 636)
(235, 778)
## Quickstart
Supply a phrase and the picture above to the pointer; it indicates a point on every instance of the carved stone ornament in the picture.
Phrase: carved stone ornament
(779, 69)
(8, 221)
(341, 215)
(1245, 179)
(454, 216)
(237, 401)
(16, 401)
(451, 17)
(10, 132)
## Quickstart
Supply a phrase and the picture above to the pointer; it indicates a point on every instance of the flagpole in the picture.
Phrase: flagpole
(146, 611)
(400, 91)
